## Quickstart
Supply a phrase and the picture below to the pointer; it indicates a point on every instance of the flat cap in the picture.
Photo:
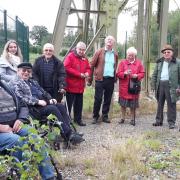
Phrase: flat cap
(167, 47)
(26, 65)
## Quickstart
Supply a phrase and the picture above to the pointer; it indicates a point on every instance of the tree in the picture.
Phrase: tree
(38, 33)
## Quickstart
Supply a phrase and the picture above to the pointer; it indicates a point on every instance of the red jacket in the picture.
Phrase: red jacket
(136, 68)
(74, 66)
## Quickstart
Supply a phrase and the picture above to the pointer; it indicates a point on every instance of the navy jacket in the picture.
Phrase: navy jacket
(21, 109)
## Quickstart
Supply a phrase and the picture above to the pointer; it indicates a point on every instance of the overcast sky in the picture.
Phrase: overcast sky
(42, 12)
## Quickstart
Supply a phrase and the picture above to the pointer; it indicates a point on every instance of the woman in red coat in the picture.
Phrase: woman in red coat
(77, 70)
(131, 67)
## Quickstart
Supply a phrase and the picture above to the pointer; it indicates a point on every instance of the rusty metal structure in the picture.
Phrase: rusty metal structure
(101, 16)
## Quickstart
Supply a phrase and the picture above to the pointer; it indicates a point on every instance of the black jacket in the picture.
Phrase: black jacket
(58, 75)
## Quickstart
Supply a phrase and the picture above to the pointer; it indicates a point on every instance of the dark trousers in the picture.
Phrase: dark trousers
(75, 100)
(164, 94)
(103, 91)
(59, 110)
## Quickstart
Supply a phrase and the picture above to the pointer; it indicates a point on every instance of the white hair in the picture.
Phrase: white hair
(131, 50)
(48, 45)
(81, 45)
(110, 37)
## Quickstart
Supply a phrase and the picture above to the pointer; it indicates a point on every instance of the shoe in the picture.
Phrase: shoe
(132, 122)
(75, 139)
(157, 124)
(121, 121)
(106, 120)
(81, 123)
(95, 120)
(79, 133)
(171, 126)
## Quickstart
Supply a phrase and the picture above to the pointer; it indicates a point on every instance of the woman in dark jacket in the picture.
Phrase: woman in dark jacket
(49, 71)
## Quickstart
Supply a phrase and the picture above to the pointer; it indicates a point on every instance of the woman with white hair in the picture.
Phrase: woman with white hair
(10, 59)
(129, 68)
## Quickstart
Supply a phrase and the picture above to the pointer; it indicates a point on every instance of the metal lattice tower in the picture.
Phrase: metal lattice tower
(104, 15)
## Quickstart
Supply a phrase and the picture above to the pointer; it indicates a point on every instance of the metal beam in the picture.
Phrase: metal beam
(72, 10)
(60, 25)
(91, 44)
(164, 6)
(87, 4)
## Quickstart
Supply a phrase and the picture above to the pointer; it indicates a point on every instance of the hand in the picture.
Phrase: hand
(134, 75)
(53, 101)
(42, 103)
(62, 91)
(17, 126)
(86, 74)
(127, 72)
(83, 75)
(89, 83)
(5, 128)
(178, 91)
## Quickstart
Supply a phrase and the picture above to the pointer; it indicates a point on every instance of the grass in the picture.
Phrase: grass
(153, 144)
(89, 167)
(126, 161)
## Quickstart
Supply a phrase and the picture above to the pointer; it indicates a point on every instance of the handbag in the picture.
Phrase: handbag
(134, 86)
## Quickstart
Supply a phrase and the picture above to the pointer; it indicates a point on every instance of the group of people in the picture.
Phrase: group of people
(41, 86)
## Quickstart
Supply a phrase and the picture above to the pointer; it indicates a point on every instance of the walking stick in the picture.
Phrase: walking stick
(59, 175)
(134, 111)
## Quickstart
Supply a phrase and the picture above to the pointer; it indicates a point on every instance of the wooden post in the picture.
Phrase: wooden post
(146, 44)
(139, 44)
(163, 24)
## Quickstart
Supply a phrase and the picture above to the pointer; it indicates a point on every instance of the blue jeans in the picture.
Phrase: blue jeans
(9, 140)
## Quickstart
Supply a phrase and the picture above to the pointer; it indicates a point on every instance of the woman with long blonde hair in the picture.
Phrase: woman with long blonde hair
(9, 60)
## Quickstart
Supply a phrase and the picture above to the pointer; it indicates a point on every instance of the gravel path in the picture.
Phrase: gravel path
(101, 138)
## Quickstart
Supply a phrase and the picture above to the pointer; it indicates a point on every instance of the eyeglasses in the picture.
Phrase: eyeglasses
(166, 52)
(50, 50)
(26, 70)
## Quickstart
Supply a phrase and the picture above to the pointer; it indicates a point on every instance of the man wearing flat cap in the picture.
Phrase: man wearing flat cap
(165, 82)
(41, 103)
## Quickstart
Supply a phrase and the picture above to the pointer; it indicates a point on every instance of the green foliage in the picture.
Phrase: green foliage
(33, 151)
(176, 153)
(69, 38)
(35, 49)
(89, 167)
(88, 99)
(173, 34)
(63, 52)
(32, 57)
(160, 165)
(38, 33)
(153, 144)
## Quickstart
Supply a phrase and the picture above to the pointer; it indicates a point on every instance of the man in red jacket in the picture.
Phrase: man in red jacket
(77, 69)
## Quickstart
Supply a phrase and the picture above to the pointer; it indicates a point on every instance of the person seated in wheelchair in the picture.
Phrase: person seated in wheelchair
(40, 102)
(13, 113)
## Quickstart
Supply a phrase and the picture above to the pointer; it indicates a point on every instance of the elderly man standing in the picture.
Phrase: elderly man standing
(49, 71)
(77, 70)
(103, 65)
(165, 81)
